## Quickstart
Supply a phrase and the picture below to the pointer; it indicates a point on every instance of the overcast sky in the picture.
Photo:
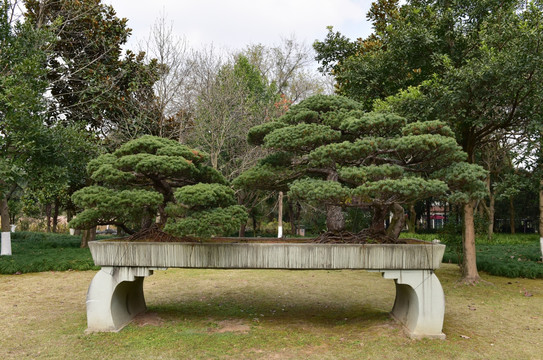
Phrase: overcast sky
(233, 24)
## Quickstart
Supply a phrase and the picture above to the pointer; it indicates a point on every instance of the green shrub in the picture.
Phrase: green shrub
(505, 255)
(36, 252)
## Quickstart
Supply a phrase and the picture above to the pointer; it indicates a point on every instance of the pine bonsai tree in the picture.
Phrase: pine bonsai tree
(153, 176)
(327, 151)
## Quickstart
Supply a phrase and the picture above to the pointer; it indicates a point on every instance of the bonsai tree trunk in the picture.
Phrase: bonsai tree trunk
(378, 220)
(335, 221)
(88, 235)
(146, 221)
(242, 230)
(469, 262)
(398, 221)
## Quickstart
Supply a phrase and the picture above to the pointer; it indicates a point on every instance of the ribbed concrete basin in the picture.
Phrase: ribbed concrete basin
(115, 295)
(415, 256)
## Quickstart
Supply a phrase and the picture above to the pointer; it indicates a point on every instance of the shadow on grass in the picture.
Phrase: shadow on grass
(263, 308)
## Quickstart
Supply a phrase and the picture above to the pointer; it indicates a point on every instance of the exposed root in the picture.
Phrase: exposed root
(154, 234)
(366, 236)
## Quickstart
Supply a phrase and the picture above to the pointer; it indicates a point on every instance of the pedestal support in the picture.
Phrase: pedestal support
(115, 297)
(420, 302)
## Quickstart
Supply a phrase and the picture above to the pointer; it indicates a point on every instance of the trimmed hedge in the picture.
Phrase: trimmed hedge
(36, 252)
(517, 260)
(505, 255)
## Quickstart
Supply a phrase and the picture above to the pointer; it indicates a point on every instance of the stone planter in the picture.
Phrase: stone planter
(115, 295)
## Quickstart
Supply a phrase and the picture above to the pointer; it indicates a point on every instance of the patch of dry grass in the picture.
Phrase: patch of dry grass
(266, 314)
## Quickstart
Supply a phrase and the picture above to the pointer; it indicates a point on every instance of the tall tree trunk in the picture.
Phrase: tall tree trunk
(445, 213)
(255, 223)
(490, 208)
(292, 218)
(214, 160)
(512, 215)
(490, 214)
(541, 216)
(4, 214)
(5, 244)
(55, 215)
(48, 216)
(428, 215)
(469, 261)
(398, 221)
(412, 220)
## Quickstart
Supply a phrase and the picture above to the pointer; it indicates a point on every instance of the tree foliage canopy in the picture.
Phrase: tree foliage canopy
(153, 175)
(328, 151)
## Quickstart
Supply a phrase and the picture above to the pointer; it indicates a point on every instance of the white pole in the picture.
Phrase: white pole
(280, 216)
(6, 243)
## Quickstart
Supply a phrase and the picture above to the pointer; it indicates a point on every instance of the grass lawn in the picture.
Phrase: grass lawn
(269, 314)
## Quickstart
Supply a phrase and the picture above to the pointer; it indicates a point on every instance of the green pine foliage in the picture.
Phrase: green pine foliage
(327, 151)
(150, 176)
(208, 223)
(205, 210)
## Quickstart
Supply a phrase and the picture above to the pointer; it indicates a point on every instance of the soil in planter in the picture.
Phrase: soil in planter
(365, 236)
(154, 234)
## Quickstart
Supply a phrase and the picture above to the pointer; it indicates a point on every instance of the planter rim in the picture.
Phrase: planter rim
(270, 255)
(265, 241)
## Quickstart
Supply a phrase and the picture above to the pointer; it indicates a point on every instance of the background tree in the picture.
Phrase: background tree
(475, 65)
(287, 67)
(174, 94)
(237, 99)
(23, 137)
(89, 81)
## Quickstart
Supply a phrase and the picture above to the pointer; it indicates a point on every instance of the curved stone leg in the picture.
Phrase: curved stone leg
(115, 297)
(420, 302)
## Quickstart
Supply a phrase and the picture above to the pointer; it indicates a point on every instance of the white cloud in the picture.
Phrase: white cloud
(236, 23)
